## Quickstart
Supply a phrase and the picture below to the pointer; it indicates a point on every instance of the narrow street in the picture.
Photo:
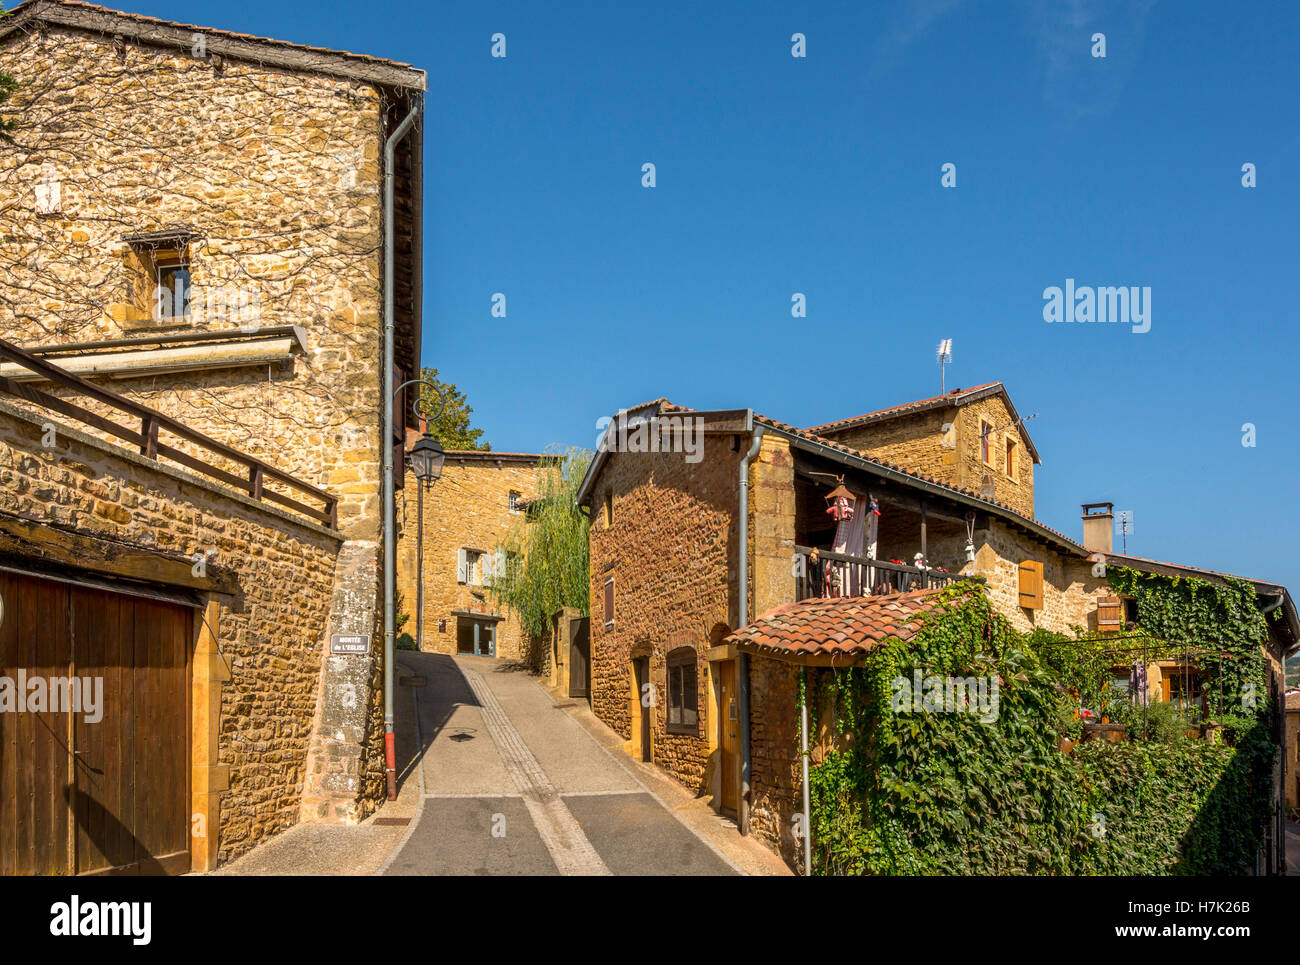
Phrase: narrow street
(511, 784)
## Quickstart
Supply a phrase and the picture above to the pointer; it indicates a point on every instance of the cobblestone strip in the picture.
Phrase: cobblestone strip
(559, 831)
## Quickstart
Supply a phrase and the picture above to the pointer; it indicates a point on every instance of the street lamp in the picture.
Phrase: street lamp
(426, 458)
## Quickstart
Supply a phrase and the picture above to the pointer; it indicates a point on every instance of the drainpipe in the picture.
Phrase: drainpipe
(803, 764)
(742, 661)
(386, 445)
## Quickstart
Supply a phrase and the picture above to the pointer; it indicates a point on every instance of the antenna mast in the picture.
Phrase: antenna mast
(944, 357)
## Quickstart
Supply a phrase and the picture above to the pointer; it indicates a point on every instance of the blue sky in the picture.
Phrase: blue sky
(821, 175)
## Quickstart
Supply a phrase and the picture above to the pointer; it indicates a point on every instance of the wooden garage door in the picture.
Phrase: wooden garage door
(80, 795)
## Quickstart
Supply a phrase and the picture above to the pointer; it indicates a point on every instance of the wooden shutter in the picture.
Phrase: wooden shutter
(462, 569)
(609, 602)
(1031, 585)
(1110, 614)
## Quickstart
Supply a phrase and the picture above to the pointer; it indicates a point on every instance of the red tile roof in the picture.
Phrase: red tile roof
(955, 397)
(1293, 701)
(837, 630)
(665, 405)
(932, 480)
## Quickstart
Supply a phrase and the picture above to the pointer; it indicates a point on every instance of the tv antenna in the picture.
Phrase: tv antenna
(944, 358)
(1125, 520)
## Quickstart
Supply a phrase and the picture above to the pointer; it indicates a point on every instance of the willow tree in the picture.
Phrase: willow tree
(545, 553)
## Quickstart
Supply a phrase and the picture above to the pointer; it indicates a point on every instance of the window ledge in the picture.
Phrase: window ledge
(142, 357)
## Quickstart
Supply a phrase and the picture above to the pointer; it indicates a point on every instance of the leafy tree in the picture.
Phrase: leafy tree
(545, 553)
(451, 425)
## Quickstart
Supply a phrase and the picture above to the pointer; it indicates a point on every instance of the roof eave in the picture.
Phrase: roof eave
(170, 34)
(941, 402)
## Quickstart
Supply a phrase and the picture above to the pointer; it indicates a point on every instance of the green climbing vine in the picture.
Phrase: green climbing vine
(1223, 623)
(969, 791)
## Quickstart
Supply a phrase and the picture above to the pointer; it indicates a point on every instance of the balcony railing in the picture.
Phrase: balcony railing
(254, 477)
(821, 573)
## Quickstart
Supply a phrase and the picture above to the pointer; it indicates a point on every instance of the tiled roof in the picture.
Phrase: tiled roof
(665, 405)
(930, 480)
(837, 630)
(82, 15)
(1293, 700)
(955, 397)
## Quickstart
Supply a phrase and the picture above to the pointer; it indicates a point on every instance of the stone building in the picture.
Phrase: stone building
(1292, 765)
(973, 438)
(680, 569)
(194, 219)
(468, 513)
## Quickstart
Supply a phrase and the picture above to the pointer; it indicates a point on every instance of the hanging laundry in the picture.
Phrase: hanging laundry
(848, 540)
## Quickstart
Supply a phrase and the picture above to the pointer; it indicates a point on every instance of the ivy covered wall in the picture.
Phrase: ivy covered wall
(911, 785)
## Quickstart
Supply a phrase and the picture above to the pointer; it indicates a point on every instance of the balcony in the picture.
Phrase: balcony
(820, 573)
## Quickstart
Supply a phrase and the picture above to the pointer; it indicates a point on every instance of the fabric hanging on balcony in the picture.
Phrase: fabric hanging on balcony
(873, 531)
(848, 540)
(1137, 682)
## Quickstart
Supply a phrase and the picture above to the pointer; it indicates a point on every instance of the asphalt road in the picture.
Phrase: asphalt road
(512, 785)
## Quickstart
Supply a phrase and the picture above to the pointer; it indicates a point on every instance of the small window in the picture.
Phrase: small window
(469, 567)
(1130, 614)
(683, 691)
(609, 603)
(158, 269)
(1183, 690)
(1011, 458)
(514, 501)
(609, 508)
(172, 290)
(986, 431)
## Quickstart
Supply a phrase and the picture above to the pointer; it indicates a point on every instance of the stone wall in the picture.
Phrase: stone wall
(1070, 591)
(776, 786)
(278, 175)
(671, 551)
(469, 507)
(1016, 491)
(270, 631)
(916, 443)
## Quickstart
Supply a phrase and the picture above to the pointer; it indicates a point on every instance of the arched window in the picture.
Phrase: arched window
(683, 691)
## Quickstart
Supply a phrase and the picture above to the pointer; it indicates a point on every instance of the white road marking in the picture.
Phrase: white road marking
(559, 830)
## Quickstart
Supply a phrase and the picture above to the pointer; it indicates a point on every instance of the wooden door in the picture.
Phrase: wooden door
(729, 735)
(35, 752)
(579, 658)
(641, 667)
(103, 786)
(161, 745)
(105, 757)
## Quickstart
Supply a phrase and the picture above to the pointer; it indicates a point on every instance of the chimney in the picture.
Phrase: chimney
(1098, 526)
